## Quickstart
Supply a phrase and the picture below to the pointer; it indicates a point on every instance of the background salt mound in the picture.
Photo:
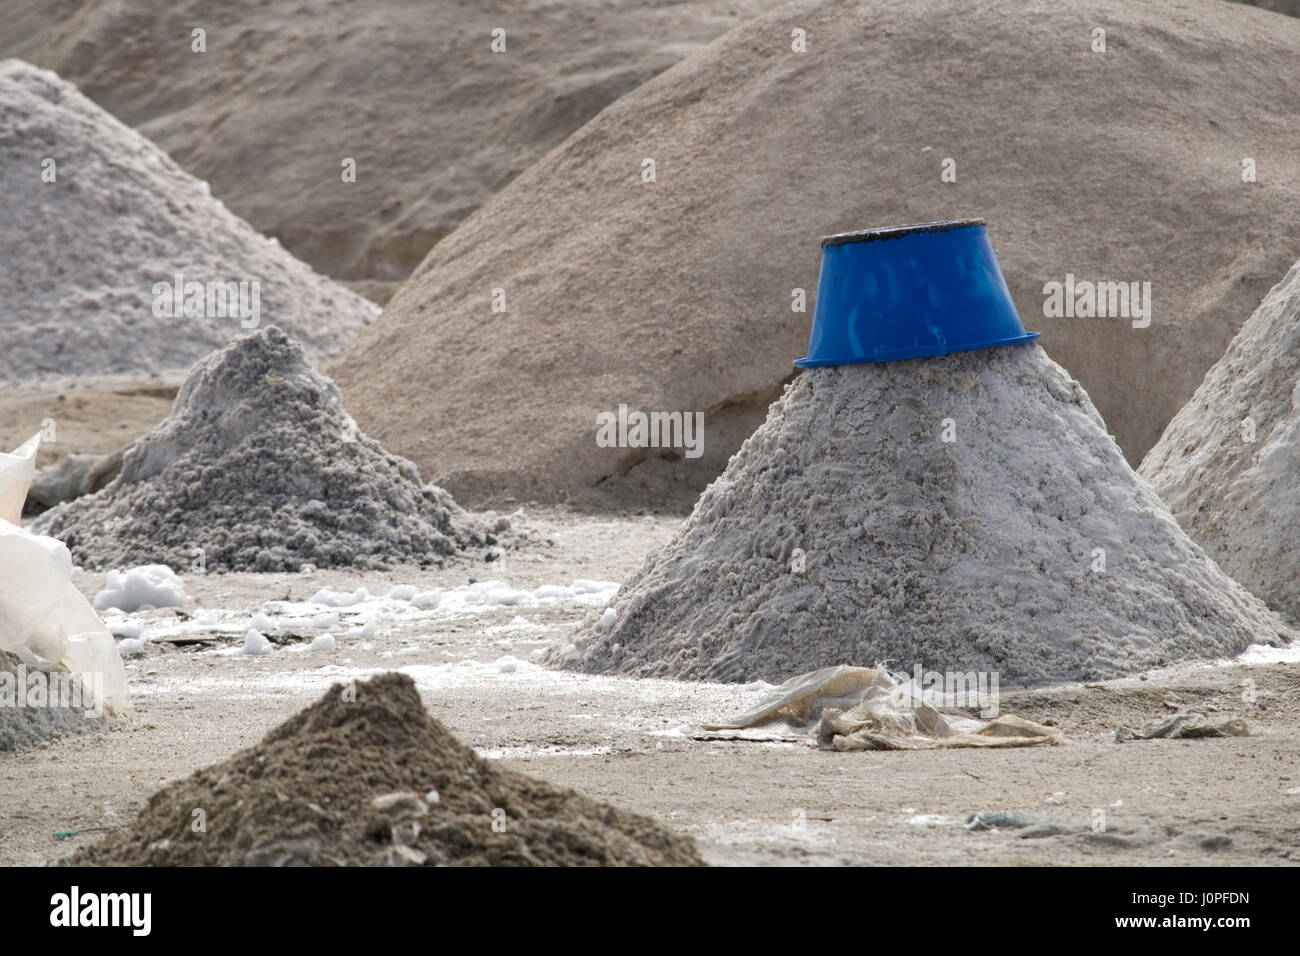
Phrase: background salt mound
(676, 295)
(976, 554)
(259, 466)
(410, 89)
(1240, 499)
(313, 793)
(82, 254)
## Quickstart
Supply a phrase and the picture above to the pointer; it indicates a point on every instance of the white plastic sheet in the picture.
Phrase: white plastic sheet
(867, 708)
(17, 470)
(44, 620)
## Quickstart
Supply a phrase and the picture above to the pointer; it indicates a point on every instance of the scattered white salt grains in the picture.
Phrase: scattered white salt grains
(426, 599)
(365, 630)
(331, 598)
(127, 629)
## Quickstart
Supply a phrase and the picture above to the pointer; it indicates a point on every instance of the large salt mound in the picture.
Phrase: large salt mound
(348, 782)
(260, 468)
(1025, 546)
(1228, 465)
(412, 91)
(676, 295)
(1290, 8)
(82, 254)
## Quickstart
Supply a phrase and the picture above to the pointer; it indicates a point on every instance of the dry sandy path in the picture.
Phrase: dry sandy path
(1220, 801)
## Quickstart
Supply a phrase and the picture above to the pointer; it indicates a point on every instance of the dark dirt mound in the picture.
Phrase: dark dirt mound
(350, 781)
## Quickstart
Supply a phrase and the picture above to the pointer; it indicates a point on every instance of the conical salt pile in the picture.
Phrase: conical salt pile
(258, 468)
(963, 513)
(98, 231)
(365, 777)
(1227, 465)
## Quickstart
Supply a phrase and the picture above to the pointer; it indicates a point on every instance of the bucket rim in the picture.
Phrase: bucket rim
(897, 232)
(921, 351)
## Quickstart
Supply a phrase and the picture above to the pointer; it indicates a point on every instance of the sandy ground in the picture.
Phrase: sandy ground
(92, 415)
(635, 743)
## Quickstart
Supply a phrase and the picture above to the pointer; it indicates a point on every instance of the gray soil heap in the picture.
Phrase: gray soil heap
(375, 780)
(1024, 545)
(1227, 464)
(83, 253)
(260, 468)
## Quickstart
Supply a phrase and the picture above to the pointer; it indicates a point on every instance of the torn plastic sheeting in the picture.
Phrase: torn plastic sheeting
(17, 472)
(44, 619)
(1185, 725)
(866, 708)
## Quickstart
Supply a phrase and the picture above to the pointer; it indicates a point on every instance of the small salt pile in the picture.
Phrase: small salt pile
(258, 468)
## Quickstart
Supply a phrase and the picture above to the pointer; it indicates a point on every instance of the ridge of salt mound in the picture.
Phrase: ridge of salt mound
(977, 554)
(375, 780)
(1231, 484)
(259, 466)
(82, 254)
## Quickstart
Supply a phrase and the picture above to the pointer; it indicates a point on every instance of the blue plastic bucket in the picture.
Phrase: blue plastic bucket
(910, 292)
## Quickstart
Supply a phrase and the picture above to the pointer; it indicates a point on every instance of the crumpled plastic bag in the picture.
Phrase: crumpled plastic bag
(867, 708)
(44, 620)
(1185, 725)
(17, 472)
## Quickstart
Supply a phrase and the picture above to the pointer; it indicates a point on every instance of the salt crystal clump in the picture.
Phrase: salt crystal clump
(154, 585)
(322, 642)
(256, 644)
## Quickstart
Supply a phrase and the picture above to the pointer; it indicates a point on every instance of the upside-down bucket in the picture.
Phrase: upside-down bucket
(910, 292)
